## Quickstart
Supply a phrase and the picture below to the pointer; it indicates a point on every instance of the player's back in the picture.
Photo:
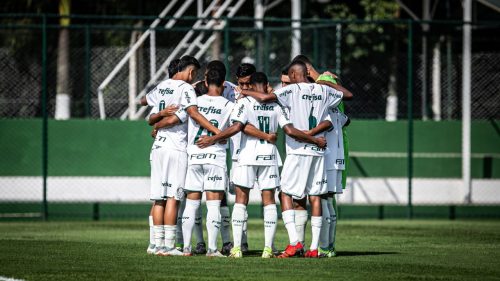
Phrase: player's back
(308, 104)
(266, 117)
(217, 110)
(171, 92)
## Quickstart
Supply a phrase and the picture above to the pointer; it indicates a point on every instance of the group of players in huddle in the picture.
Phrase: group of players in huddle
(194, 123)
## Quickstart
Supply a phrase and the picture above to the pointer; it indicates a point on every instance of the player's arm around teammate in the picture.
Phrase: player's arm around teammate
(206, 167)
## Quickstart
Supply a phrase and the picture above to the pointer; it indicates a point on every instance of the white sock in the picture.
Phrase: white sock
(315, 229)
(225, 224)
(159, 235)
(333, 223)
(198, 227)
(238, 220)
(179, 239)
(244, 236)
(324, 236)
(188, 220)
(170, 236)
(213, 223)
(151, 231)
(270, 223)
(301, 224)
(289, 221)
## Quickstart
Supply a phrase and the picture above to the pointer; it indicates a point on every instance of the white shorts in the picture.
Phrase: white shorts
(246, 176)
(168, 173)
(205, 177)
(304, 175)
(334, 178)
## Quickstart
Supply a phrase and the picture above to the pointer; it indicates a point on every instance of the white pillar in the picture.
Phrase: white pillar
(258, 14)
(436, 81)
(425, 28)
(152, 54)
(296, 35)
(466, 100)
(132, 79)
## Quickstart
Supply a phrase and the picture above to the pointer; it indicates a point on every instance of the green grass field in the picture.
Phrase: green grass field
(367, 250)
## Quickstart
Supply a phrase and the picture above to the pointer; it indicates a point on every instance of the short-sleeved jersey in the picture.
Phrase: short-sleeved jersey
(217, 110)
(172, 92)
(334, 157)
(235, 141)
(265, 117)
(308, 104)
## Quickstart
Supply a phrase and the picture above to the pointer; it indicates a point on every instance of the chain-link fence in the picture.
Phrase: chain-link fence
(390, 66)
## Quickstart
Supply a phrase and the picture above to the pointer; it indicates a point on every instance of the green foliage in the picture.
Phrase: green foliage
(365, 39)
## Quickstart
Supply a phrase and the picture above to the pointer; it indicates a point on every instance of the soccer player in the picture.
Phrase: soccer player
(229, 94)
(154, 117)
(207, 167)
(285, 80)
(168, 154)
(243, 74)
(258, 160)
(303, 99)
(300, 205)
(336, 162)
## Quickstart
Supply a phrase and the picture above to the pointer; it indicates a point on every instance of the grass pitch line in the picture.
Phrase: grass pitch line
(3, 278)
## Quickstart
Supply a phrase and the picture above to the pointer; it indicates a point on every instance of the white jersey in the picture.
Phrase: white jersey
(265, 117)
(217, 110)
(308, 104)
(334, 155)
(172, 92)
(235, 141)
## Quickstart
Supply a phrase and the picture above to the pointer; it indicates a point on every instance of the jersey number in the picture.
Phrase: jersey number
(200, 131)
(313, 122)
(263, 125)
(162, 105)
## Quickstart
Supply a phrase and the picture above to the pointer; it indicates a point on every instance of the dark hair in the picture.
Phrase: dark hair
(284, 70)
(186, 61)
(200, 89)
(258, 78)
(214, 77)
(245, 69)
(300, 64)
(303, 59)
(173, 67)
(217, 65)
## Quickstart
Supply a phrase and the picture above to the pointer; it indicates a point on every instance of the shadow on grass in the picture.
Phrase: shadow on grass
(253, 253)
(258, 253)
(359, 253)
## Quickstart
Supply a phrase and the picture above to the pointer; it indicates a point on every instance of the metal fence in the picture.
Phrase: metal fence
(396, 70)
